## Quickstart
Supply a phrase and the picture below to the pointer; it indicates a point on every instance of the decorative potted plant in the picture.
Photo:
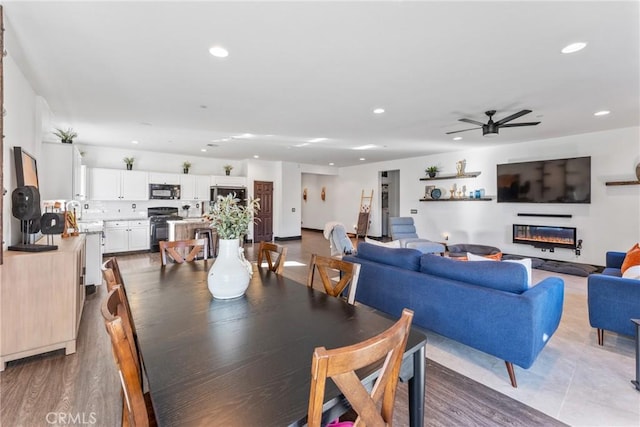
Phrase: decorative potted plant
(432, 171)
(66, 136)
(227, 169)
(129, 162)
(229, 277)
(186, 166)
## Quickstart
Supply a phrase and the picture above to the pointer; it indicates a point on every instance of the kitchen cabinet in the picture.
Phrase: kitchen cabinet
(62, 175)
(41, 299)
(126, 236)
(229, 181)
(195, 187)
(164, 178)
(116, 184)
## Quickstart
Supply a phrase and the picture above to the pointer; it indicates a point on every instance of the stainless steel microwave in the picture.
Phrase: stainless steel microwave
(164, 191)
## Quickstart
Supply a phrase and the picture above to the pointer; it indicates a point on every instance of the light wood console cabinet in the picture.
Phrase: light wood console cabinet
(41, 300)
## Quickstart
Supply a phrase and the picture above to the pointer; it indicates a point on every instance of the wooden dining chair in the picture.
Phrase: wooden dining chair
(111, 273)
(191, 247)
(348, 271)
(340, 365)
(136, 405)
(275, 256)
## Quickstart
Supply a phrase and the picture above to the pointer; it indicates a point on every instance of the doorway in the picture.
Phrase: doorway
(263, 226)
(389, 197)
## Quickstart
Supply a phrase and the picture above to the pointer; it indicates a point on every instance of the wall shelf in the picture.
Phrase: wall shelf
(451, 176)
(609, 183)
(482, 199)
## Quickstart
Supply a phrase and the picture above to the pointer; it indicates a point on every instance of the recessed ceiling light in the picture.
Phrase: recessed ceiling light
(219, 52)
(243, 136)
(364, 147)
(602, 113)
(457, 138)
(331, 164)
(362, 158)
(134, 142)
(378, 111)
(573, 47)
(256, 156)
(316, 140)
(204, 150)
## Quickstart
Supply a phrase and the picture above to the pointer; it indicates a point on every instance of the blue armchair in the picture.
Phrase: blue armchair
(613, 301)
(402, 229)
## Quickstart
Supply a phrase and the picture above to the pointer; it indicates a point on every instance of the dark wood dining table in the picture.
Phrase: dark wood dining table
(247, 361)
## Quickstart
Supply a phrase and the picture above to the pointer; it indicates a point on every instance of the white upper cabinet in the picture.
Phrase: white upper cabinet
(115, 184)
(229, 181)
(195, 187)
(164, 178)
(62, 176)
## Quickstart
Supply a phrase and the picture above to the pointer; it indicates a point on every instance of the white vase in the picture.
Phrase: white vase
(228, 277)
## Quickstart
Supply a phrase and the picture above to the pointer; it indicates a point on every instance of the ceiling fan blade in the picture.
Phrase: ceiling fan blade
(513, 125)
(473, 122)
(512, 117)
(463, 130)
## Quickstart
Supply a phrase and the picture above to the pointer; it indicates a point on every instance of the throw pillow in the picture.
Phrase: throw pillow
(493, 257)
(527, 264)
(632, 258)
(632, 272)
(391, 244)
(525, 261)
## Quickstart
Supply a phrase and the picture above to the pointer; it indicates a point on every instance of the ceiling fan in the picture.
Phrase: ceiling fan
(491, 128)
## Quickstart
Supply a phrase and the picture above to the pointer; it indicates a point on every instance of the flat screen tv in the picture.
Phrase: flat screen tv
(26, 168)
(545, 181)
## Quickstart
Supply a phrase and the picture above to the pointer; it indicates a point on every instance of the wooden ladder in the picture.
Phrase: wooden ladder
(362, 229)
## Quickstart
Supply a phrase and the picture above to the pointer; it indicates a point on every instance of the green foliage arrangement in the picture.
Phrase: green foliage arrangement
(230, 219)
(66, 136)
(128, 160)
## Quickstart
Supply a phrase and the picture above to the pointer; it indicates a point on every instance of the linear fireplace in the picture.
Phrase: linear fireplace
(544, 236)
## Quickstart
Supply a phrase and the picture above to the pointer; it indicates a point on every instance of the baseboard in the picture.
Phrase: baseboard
(284, 239)
(313, 229)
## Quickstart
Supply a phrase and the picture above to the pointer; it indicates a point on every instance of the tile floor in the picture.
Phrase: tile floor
(573, 379)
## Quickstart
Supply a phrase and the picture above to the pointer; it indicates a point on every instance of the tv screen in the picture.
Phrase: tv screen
(545, 181)
(26, 168)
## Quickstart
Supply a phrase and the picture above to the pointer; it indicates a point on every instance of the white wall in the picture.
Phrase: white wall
(610, 222)
(315, 212)
(21, 127)
(291, 217)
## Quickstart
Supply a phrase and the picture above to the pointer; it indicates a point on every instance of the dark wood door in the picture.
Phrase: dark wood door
(263, 227)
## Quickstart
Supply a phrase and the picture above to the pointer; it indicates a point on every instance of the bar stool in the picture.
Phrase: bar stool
(212, 236)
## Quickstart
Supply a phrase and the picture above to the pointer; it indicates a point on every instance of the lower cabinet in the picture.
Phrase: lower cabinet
(126, 236)
(41, 299)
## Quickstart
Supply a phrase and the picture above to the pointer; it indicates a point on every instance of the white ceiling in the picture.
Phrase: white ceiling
(124, 71)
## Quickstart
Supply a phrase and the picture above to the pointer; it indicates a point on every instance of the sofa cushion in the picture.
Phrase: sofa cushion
(391, 244)
(503, 276)
(524, 261)
(401, 257)
(615, 272)
(632, 258)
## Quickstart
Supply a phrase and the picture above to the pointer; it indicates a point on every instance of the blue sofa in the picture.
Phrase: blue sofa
(613, 300)
(485, 305)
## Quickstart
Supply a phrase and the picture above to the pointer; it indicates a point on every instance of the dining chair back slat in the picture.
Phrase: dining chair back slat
(274, 255)
(136, 410)
(349, 273)
(374, 408)
(191, 247)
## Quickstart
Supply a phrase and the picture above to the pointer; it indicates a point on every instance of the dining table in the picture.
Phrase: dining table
(247, 361)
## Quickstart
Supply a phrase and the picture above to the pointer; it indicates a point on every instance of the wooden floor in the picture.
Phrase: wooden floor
(83, 388)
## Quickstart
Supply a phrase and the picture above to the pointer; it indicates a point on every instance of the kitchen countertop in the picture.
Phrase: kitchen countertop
(189, 221)
(90, 227)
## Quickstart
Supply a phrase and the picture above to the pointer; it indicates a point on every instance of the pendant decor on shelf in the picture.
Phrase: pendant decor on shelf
(228, 277)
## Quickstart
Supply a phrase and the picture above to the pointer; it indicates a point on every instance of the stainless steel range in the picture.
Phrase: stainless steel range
(158, 217)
